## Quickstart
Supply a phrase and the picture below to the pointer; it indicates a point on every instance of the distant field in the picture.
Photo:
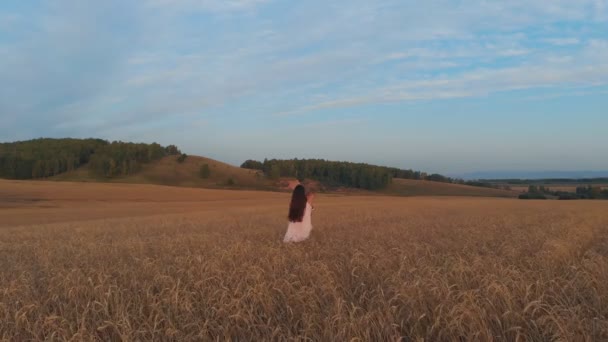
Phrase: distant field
(410, 187)
(25, 202)
(105, 262)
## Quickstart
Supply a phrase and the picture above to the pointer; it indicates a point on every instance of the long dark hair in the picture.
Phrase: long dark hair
(298, 204)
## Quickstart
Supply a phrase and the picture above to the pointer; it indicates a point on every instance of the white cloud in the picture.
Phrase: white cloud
(268, 59)
(590, 68)
(352, 52)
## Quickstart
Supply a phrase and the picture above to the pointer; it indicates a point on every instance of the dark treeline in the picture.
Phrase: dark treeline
(582, 192)
(483, 184)
(410, 174)
(331, 173)
(123, 158)
(357, 175)
(45, 157)
(591, 192)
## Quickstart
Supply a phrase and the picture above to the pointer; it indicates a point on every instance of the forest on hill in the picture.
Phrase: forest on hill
(46, 157)
(347, 174)
(356, 175)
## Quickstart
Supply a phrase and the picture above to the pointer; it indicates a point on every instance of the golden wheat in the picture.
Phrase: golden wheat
(375, 269)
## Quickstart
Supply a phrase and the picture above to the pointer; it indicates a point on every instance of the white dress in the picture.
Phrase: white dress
(300, 231)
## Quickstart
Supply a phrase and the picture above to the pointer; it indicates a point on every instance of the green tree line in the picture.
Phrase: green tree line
(124, 158)
(582, 192)
(591, 192)
(356, 175)
(46, 157)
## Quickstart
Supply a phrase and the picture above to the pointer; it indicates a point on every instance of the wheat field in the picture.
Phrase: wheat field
(210, 265)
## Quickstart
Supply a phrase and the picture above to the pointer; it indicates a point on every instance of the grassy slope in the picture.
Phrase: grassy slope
(168, 171)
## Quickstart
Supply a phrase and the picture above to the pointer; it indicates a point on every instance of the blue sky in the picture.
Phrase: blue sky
(441, 86)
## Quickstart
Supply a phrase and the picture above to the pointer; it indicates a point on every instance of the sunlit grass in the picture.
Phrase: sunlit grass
(383, 269)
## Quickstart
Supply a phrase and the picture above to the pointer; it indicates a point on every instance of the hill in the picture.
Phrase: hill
(97, 160)
(410, 187)
(168, 171)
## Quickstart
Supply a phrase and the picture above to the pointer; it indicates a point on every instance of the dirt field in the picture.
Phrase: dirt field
(139, 262)
(23, 202)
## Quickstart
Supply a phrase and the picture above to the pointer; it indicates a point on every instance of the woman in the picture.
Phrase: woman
(300, 212)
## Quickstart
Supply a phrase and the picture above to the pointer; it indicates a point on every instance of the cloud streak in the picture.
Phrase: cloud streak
(118, 67)
(588, 68)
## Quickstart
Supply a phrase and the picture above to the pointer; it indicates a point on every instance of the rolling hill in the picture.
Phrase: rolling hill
(167, 171)
(98, 160)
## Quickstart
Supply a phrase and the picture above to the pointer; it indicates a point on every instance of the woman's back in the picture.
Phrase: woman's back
(300, 231)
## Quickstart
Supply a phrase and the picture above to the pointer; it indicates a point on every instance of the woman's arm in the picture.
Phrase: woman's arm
(309, 198)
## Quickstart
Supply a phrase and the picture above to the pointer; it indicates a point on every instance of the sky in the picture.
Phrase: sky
(439, 86)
